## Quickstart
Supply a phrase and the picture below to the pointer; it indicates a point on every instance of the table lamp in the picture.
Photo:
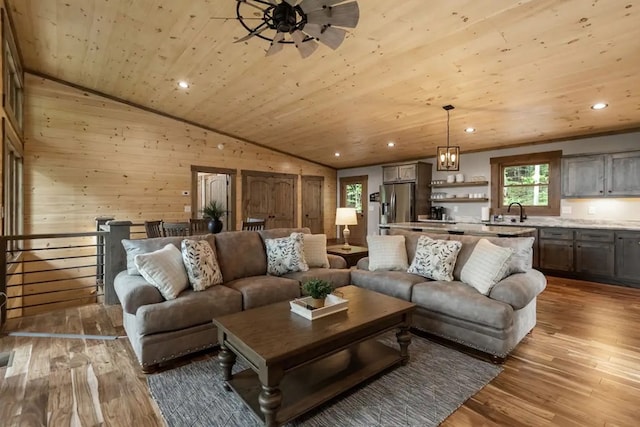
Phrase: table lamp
(346, 217)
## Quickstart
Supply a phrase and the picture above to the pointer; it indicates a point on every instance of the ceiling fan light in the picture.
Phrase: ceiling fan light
(305, 48)
(343, 15)
(330, 36)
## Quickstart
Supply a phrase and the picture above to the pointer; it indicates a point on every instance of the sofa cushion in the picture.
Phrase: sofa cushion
(337, 277)
(435, 259)
(262, 290)
(145, 246)
(487, 265)
(200, 261)
(276, 233)
(393, 283)
(240, 254)
(315, 250)
(285, 255)
(134, 292)
(387, 253)
(164, 269)
(519, 289)
(189, 309)
(461, 301)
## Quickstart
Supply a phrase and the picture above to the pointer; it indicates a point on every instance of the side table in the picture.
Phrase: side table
(351, 256)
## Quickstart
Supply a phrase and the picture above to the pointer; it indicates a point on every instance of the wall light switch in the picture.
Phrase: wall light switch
(187, 208)
(566, 210)
(591, 210)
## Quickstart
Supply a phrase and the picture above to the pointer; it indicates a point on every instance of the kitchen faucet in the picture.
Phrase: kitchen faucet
(523, 216)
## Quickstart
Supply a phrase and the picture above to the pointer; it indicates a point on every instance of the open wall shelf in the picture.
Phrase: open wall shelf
(460, 184)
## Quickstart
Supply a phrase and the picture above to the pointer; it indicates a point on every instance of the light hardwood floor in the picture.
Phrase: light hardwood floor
(579, 367)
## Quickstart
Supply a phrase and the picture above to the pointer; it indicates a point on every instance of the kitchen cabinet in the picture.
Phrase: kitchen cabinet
(627, 247)
(601, 175)
(407, 172)
(595, 252)
(555, 247)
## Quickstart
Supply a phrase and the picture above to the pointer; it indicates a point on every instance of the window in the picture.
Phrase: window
(12, 76)
(354, 196)
(12, 185)
(533, 180)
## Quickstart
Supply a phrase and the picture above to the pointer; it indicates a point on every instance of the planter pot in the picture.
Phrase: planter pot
(317, 302)
(215, 226)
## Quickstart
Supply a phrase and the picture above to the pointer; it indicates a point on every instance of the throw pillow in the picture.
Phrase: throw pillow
(164, 270)
(387, 253)
(200, 260)
(487, 265)
(285, 255)
(435, 259)
(315, 250)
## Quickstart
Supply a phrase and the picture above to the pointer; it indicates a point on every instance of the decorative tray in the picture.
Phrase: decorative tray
(333, 304)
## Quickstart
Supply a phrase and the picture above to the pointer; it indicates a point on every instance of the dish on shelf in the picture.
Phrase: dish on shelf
(462, 196)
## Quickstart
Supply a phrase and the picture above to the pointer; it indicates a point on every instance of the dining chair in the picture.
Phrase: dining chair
(198, 226)
(153, 228)
(175, 229)
(253, 224)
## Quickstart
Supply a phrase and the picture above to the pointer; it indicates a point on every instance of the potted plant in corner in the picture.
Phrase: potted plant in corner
(317, 289)
(214, 211)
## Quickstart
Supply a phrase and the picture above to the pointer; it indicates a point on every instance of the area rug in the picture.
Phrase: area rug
(436, 381)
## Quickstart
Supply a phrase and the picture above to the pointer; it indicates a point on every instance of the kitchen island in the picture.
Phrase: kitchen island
(472, 229)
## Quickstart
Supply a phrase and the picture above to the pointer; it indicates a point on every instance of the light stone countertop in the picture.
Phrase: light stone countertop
(463, 228)
(560, 223)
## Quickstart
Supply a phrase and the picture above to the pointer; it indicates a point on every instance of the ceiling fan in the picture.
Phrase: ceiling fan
(303, 22)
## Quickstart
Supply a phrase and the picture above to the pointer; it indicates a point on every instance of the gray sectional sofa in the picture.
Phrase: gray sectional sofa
(493, 324)
(160, 330)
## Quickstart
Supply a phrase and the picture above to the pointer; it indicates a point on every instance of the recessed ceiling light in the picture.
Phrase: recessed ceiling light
(391, 144)
(183, 84)
(599, 106)
(337, 154)
(470, 130)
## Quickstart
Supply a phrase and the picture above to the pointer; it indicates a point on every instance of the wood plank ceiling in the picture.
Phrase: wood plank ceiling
(519, 72)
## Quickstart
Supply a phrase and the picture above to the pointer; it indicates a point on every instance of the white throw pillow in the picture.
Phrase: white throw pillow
(387, 253)
(487, 265)
(200, 260)
(285, 255)
(435, 259)
(164, 270)
(315, 250)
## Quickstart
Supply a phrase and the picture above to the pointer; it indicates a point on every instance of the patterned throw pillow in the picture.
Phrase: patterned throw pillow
(315, 250)
(201, 263)
(435, 259)
(387, 253)
(164, 270)
(285, 255)
(487, 265)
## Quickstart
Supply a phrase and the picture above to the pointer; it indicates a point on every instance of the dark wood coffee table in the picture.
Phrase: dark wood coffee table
(297, 364)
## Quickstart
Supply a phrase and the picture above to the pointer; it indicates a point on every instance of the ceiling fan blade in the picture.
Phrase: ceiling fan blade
(251, 4)
(330, 36)
(276, 46)
(343, 15)
(311, 5)
(255, 32)
(305, 48)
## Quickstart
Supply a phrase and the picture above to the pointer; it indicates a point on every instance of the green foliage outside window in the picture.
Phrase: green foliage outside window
(354, 197)
(526, 184)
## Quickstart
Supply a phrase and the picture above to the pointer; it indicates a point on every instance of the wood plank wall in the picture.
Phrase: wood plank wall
(89, 156)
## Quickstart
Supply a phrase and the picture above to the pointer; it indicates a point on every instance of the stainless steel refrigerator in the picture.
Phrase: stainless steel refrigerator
(397, 203)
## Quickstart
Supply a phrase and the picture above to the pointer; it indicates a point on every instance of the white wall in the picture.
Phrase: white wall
(477, 164)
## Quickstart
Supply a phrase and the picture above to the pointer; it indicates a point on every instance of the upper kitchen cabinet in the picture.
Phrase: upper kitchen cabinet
(601, 175)
(409, 172)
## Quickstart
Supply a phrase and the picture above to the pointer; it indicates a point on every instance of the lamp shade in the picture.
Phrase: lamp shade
(346, 216)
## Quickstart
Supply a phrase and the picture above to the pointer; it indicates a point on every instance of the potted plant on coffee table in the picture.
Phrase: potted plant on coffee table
(317, 289)
(214, 211)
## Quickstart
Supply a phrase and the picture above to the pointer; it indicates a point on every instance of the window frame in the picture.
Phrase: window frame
(553, 158)
(12, 76)
(12, 186)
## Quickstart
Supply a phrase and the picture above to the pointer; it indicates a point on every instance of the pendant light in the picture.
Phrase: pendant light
(448, 158)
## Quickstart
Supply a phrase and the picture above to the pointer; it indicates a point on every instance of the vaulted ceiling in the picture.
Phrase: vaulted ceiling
(519, 72)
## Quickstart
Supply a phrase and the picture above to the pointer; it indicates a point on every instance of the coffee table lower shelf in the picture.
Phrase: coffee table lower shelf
(308, 386)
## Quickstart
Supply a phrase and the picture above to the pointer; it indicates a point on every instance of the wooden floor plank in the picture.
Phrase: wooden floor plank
(579, 367)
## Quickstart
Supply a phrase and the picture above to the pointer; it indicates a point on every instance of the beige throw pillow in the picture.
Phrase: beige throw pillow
(387, 253)
(315, 250)
(487, 265)
(164, 270)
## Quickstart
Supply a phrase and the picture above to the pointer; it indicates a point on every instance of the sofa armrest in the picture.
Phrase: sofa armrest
(363, 263)
(336, 261)
(135, 291)
(519, 289)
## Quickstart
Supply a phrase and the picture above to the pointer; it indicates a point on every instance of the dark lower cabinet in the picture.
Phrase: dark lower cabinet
(628, 256)
(595, 258)
(556, 255)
